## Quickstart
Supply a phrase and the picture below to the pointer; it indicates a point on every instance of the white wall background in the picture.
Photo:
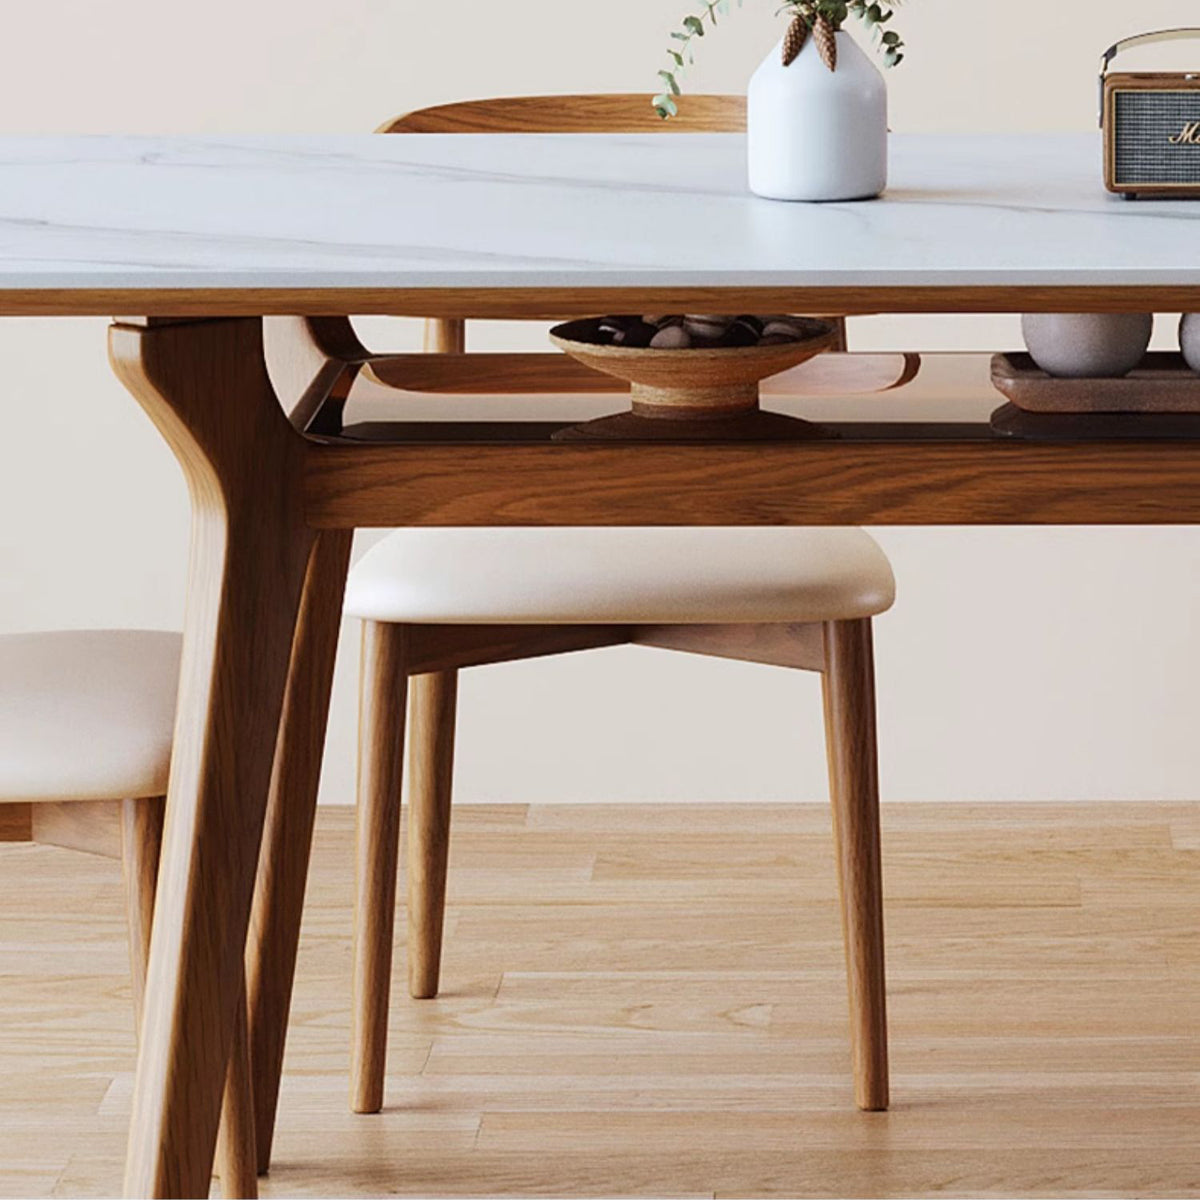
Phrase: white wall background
(1018, 664)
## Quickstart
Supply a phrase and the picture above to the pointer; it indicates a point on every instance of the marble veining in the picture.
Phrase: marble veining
(564, 211)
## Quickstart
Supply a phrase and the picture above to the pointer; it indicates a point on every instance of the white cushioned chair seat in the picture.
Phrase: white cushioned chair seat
(651, 576)
(87, 715)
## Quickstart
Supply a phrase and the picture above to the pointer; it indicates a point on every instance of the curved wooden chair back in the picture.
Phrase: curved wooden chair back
(615, 113)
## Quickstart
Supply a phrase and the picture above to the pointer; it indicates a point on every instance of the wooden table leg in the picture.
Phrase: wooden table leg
(291, 810)
(205, 387)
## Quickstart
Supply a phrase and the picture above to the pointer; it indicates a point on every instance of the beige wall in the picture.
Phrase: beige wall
(1018, 664)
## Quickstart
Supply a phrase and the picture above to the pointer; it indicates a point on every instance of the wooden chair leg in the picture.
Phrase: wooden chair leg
(445, 335)
(287, 836)
(849, 690)
(431, 765)
(380, 769)
(141, 847)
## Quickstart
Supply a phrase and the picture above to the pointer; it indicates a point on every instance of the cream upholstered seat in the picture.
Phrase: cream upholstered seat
(87, 715)
(650, 576)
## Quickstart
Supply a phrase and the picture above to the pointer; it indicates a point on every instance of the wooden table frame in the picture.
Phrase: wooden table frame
(274, 510)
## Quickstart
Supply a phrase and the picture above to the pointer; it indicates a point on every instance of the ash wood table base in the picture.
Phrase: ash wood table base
(250, 550)
(273, 510)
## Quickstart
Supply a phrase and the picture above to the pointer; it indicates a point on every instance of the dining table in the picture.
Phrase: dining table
(203, 250)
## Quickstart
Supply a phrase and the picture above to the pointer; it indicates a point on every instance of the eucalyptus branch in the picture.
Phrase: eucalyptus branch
(681, 54)
(875, 15)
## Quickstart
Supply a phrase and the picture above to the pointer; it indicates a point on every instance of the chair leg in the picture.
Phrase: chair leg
(141, 847)
(445, 335)
(380, 769)
(431, 765)
(849, 691)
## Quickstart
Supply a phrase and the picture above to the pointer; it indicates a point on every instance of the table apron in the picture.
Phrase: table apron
(969, 482)
(500, 301)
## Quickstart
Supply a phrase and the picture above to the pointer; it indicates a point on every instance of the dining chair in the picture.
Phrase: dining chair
(86, 723)
(436, 601)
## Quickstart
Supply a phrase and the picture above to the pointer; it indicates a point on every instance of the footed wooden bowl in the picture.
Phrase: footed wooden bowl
(699, 392)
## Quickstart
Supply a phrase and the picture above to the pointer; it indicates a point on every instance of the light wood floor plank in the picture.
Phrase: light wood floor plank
(649, 1001)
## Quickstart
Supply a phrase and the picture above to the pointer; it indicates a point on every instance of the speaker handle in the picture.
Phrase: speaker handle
(1140, 39)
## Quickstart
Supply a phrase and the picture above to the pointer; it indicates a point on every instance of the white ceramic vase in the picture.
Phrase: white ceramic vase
(817, 134)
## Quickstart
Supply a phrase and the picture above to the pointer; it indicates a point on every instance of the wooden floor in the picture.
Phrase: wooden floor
(649, 1000)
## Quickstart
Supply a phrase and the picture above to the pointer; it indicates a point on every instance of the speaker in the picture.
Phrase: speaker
(1151, 122)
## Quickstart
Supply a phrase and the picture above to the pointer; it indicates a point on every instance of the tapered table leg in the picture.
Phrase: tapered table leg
(205, 387)
(291, 810)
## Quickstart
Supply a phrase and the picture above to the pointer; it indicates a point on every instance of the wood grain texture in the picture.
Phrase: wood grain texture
(237, 1148)
(382, 691)
(588, 113)
(140, 830)
(849, 693)
(503, 374)
(16, 822)
(287, 834)
(534, 303)
(433, 703)
(836, 482)
(592, 1039)
(90, 826)
(141, 833)
(799, 646)
(250, 549)
(448, 647)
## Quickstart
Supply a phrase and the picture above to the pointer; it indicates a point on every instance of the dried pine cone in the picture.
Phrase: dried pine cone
(826, 39)
(794, 39)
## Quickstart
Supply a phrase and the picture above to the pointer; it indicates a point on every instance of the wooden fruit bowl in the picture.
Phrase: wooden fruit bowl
(700, 392)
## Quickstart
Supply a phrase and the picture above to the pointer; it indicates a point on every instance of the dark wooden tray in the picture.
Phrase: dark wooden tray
(1162, 384)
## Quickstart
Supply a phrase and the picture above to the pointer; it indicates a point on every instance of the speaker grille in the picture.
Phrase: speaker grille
(1145, 123)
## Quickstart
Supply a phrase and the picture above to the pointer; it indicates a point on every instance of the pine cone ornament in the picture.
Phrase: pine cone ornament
(826, 39)
(794, 39)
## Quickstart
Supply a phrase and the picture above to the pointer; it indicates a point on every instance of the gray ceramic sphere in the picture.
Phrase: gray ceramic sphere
(1189, 340)
(1087, 345)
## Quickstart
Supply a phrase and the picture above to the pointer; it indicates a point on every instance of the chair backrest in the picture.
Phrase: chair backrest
(620, 113)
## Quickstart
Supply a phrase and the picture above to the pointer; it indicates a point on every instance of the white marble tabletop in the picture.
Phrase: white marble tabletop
(567, 211)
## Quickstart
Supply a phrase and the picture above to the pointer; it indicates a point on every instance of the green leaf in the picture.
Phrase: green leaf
(665, 107)
(694, 25)
(671, 82)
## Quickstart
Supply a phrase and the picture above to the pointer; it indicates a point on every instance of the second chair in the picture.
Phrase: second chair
(435, 601)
